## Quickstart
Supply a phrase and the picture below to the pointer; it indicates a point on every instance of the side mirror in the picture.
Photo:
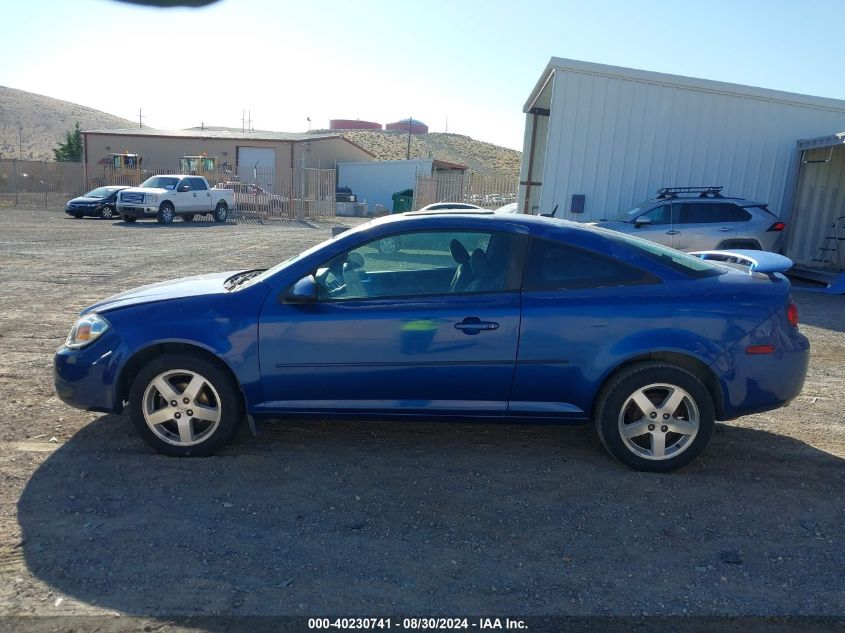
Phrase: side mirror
(303, 291)
(641, 221)
(183, 188)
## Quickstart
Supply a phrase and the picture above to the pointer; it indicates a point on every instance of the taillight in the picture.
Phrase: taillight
(777, 226)
(792, 314)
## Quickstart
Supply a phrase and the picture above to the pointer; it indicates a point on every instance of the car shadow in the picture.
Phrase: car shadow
(198, 223)
(439, 518)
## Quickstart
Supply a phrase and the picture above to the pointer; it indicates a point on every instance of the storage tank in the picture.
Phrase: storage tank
(353, 124)
(417, 127)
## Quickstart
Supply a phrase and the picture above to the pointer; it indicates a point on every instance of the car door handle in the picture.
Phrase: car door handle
(672, 232)
(474, 325)
(726, 228)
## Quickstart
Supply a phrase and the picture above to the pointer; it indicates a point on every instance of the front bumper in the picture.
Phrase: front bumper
(87, 378)
(87, 210)
(137, 211)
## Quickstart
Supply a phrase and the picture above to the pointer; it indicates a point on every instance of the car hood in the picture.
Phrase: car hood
(156, 190)
(198, 285)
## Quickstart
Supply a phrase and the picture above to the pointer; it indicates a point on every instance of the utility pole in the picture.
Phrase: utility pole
(249, 126)
(243, 120)
(140, 118)
(409, 137)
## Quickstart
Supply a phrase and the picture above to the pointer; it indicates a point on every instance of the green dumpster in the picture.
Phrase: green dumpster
(403, 200)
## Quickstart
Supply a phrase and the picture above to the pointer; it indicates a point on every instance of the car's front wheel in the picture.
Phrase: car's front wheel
(107, 213)
(184, 405)
(654, 416)
(165, 213)
(128, 218)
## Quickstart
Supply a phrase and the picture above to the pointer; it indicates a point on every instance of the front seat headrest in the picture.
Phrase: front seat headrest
(479, 264)
(354, 260)
(459, 253)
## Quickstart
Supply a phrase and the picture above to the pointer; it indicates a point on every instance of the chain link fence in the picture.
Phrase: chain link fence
(489, 192)
(297, 192)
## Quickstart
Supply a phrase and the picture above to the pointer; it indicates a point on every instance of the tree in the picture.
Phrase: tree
(71, 150)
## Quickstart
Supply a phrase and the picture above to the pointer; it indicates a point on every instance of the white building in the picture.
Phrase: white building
(377, 181)
(616, 135)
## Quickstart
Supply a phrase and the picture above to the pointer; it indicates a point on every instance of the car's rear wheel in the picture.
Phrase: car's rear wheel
(221, 212)
(188, 217)
(654, 416)
(107, 213)
(184, 405)
(128, 218)
(165, 213)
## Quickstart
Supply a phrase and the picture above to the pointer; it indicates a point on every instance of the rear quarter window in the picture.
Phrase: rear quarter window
(707, 213)
(556, 265)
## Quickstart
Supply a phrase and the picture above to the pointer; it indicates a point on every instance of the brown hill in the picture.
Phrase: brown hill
(43, 123)
(485, 158)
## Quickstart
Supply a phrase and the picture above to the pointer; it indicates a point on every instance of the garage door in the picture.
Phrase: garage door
(257, 165)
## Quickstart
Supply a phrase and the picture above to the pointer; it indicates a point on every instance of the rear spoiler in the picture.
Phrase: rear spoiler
(756, 261)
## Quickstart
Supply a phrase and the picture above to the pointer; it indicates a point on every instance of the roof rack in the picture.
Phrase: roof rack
(703, 192)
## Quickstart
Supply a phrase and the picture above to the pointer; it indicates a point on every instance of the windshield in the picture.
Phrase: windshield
(630, 214)
(161, 182)
(669, 257)
(101, 192)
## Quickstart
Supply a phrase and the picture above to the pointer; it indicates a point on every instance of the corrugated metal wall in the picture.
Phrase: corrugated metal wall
(819, 201)
(618, 140)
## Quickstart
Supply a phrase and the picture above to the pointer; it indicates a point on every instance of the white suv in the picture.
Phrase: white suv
(700, 218)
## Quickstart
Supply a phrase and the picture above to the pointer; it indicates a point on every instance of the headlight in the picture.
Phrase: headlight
(87, 330)
(149, 198)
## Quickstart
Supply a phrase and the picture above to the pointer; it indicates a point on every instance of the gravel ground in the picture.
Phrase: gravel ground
(374, 518)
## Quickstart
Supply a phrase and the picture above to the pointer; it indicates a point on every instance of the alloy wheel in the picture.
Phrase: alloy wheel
(659, 421)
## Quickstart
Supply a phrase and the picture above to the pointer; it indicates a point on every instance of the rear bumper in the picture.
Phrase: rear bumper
(752, 383)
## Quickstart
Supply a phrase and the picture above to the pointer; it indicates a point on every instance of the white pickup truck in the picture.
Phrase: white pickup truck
(165, 197)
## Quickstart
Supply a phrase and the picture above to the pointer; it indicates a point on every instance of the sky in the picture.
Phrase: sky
(463, 66)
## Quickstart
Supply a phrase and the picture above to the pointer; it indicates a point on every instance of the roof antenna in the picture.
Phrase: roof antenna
(552, 214)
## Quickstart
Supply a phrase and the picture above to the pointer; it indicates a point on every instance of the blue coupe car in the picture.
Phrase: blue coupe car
(478, 316)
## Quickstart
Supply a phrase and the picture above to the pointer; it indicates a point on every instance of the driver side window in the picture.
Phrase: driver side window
(658, 215)
(418, 263)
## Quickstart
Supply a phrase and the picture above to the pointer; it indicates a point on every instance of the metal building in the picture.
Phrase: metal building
(376, 181)
(615, 135)
(816, 239)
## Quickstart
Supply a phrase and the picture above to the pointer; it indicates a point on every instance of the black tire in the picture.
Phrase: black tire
(107, 213)
(188, 217)
(615, 410)
(751, 245)
(389, 245)
(128, 218)
(224, 395)
(165, 213)
(221, 212)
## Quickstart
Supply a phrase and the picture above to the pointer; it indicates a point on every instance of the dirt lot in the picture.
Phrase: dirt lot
(377, 518)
